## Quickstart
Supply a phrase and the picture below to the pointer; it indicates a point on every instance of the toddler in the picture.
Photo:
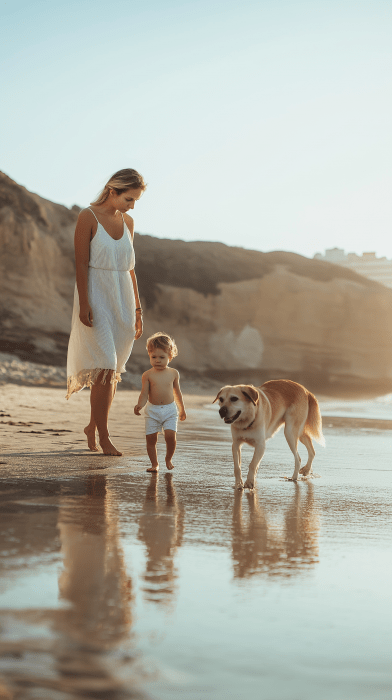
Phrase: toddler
(160, 385)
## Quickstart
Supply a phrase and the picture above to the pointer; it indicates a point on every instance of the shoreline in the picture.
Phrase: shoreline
(13, 370)
(39, 420)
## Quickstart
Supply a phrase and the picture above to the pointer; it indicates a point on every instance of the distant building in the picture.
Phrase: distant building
(367, 264)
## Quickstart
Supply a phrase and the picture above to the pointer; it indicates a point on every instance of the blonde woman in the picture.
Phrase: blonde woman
(107, 315)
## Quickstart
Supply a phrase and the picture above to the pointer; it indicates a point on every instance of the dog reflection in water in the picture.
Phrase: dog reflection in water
(161, 528)
(275, 542)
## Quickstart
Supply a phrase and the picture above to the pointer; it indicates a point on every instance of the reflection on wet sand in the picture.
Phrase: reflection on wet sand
(78, 652)
(94, 578)
(257, 614)
(95, 583)
(262, 542)
(161, 528)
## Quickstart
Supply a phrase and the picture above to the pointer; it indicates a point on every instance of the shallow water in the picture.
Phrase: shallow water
(117, 584)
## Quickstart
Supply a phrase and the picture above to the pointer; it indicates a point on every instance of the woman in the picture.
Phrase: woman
(107, 316)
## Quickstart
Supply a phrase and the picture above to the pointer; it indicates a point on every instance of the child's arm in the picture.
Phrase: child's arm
(143, 394)
(178, 396)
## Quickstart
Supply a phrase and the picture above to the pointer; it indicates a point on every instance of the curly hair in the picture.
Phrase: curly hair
(164, 342)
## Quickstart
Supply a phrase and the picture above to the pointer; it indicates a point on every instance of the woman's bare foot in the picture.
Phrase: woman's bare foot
(169, 464)
(153, 468)
(91, 438)
(108, 448)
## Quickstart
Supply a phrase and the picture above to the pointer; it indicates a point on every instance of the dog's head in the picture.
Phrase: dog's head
(237, 403)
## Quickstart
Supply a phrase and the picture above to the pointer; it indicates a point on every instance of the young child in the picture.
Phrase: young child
(159, 386)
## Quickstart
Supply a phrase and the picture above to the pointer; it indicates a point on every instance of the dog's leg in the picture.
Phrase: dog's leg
(254, 465)
(236, 447)
(307, 469)
(291, 435)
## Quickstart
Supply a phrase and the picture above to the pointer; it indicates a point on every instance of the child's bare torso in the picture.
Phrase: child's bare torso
(161, 382)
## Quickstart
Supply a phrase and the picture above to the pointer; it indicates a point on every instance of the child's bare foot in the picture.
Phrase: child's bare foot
(169, 464)
(153, 468)
(108, 448)
(91, 439)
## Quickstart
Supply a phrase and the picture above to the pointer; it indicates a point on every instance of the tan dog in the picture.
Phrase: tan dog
(255, 415)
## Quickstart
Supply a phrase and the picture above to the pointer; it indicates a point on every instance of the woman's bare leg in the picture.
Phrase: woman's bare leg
(101, 400)
(91, 429)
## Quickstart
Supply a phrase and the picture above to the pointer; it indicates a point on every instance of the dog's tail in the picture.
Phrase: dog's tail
(313, 425)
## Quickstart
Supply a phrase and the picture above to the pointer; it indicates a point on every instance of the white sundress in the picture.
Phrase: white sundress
(107, 345)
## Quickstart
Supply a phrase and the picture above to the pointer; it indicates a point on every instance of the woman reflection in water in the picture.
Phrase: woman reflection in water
(107, 315)
(94, 578)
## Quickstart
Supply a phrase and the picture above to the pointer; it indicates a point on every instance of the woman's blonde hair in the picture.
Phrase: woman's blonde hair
(164, 342)
(121, 181)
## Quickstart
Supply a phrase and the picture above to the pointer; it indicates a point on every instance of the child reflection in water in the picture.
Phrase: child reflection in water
(161, 528)
(263, 544)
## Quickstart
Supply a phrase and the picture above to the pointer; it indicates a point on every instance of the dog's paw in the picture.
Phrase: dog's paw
(249, 484)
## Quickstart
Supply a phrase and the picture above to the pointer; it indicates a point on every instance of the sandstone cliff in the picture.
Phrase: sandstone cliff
(237, 314)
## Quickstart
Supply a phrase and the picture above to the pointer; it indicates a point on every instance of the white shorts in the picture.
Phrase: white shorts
(160, 418)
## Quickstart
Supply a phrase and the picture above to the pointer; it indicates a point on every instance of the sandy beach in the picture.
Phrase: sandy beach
(118, 584)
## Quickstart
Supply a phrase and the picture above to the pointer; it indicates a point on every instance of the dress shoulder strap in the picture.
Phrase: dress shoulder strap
(93, 214)
(126, 226)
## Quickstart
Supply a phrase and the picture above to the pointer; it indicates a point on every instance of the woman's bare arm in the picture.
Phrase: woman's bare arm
(135, 288)
(83, 234)
(139, 316)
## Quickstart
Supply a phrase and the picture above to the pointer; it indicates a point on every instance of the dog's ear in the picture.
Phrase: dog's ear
(218, 394)
(252, 394)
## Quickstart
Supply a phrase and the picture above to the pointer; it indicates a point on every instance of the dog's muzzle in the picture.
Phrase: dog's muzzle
(223, 414)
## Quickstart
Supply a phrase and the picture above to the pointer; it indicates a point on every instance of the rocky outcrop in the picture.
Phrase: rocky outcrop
(283, 325)
(37, 273)
(236, 314)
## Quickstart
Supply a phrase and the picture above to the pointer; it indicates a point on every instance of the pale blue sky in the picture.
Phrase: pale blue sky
(261, 124)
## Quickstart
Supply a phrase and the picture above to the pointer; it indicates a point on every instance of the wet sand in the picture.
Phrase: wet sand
(118, 584)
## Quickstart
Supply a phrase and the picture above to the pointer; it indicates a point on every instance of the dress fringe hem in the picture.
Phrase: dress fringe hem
(88, 377)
